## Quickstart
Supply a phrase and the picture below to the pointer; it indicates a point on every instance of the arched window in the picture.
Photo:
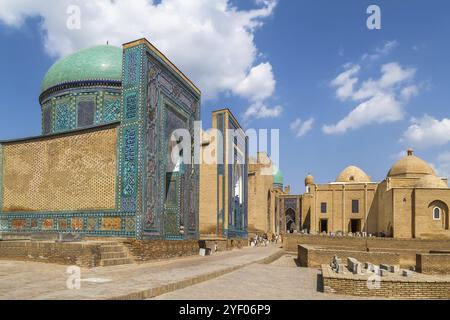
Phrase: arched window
(437, 213)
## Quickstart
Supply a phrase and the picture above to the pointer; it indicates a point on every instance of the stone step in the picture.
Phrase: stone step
(111, 248)
(113, 255)
(115, 262)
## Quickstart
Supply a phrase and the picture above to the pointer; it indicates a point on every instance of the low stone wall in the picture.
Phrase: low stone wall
(390, 288)
(433, 263)
(81, 254)
(89, 253)
(291, 241)
(314, 256)
(146, 250)
(223, 244)
(406, 248)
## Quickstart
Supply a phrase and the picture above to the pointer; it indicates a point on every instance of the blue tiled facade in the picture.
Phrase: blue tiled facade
(150, 96)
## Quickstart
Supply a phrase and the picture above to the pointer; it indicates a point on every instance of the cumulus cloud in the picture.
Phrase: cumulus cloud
(379, 101)
(211, 41)
(442, 167)
(259, 110)
(345, 82)
(259, 84)
(427, 132)
(300, 128)
(385, 50)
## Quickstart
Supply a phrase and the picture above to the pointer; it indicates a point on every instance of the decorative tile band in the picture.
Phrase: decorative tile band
(90, 223)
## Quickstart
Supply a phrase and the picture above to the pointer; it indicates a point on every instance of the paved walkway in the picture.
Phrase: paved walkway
(280, 280)
(32, 280)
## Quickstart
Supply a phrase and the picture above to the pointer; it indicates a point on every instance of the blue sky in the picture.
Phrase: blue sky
(308, 44)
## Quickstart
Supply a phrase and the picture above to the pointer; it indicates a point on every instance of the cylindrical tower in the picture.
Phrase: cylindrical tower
(82, 89)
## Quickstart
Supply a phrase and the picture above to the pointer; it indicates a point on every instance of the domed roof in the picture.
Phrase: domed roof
(309, 180)
(411, 166)
(353, 174)
(431, 181)
(96, 63)
(278, 177)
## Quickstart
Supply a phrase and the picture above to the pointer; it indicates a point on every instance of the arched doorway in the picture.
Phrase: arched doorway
(290, 220)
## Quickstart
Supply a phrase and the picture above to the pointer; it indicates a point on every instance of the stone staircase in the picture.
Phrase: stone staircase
(114, 254)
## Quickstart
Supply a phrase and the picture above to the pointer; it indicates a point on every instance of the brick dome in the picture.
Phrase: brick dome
(353, 174)
(411, 166)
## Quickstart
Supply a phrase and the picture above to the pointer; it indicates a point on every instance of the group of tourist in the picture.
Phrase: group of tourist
(263, 240)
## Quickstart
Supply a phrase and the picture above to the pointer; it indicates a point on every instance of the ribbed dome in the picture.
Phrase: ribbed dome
(411, 166)
(278, 177)
(95, 63)
(309, 180)
(430, 181)
(353, 174)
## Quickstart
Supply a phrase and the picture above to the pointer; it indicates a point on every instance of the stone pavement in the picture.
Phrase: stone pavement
(280, 280)
(33, 280)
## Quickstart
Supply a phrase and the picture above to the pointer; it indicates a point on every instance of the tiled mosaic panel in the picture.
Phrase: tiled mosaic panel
(290, 204)
(112, 224)
(151, 224)
(97, 224)
(86, 113)
(47, 120)
(161, 120)
(131, 105)
(237, 214)
(64, 117)
(80, 108)
(111, 110)
(174, 121)
(129, 169)
(132, 65)
(76, 172)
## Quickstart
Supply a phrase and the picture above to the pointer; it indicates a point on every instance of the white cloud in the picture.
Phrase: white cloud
(409, 92)
(379, 101)
(300, 128)
(427, 132)
(398, 155)
(381, 52)
(259, 84)
(346, 81)
(211, 41)
(259, 110)
(442, 165)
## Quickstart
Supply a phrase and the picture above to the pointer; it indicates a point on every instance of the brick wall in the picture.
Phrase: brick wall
(81, 254)
(434, 263)
(312, 257)
(396, 289)
(146, 250)
(88, 254)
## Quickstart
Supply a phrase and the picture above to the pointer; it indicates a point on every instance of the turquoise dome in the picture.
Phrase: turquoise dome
(96, 63)
(278, 177)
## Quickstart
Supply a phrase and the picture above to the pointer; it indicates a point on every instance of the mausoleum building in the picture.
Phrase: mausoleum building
(102, 165)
